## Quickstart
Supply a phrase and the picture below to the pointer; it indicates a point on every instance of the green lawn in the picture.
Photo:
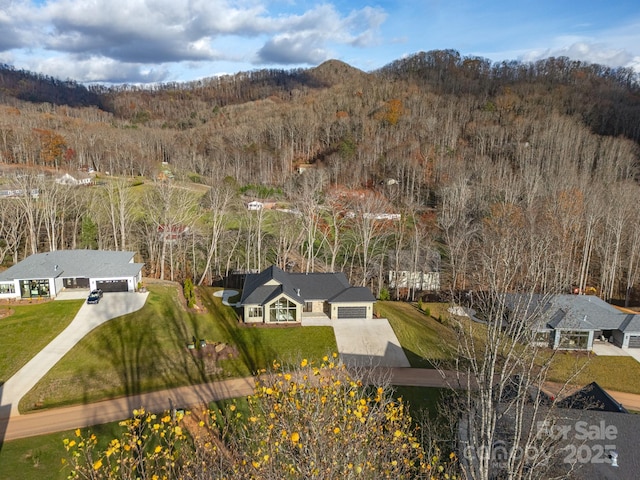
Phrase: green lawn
(614, 373)
(425, 340)
(146, 351)
(26, 329)
(41, 457)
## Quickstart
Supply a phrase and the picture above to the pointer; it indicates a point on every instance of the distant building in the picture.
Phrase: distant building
(420, 272)
(255, 205)
(72, 181)
(172, 233)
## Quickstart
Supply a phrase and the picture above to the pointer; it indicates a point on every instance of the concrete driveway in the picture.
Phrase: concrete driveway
(368, 343)
(88, 317)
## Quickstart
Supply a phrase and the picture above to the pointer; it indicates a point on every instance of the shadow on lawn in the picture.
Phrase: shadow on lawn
(149, 354)
(5, 412)
(239, 336)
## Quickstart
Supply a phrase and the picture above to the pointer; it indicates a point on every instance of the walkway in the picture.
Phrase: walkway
(88, 317)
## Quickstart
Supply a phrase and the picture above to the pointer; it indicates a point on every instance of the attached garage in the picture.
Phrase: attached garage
(352, 312)
(634, 341)
(112, 285)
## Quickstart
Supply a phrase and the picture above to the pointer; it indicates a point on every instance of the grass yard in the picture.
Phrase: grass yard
(41, 457)
(146, 351)
(613, 373)
(425, 341)
(26, 329)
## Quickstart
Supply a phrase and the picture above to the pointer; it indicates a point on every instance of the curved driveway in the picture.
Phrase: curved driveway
(88, 317)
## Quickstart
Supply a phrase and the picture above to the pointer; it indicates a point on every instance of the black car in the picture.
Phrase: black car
(94, 296)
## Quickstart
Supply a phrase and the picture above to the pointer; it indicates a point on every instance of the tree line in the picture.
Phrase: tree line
(459, 147)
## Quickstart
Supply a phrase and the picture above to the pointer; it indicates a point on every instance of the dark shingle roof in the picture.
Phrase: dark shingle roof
(592, 397)
(353, 294)
(261, 287)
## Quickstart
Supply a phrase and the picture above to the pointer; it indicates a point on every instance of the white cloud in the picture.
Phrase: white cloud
(588, 52)
(99, 69)
(309, 36)
(130, 33)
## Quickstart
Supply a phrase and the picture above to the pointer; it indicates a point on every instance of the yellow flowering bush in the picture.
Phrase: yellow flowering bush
(304, 423)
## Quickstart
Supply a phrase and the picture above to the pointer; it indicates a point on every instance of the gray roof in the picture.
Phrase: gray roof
(572, 312)
(353, 294)
(577, 312)
(301, 287)
(74, 264)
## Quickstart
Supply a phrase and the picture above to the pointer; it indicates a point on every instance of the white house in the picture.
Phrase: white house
(47, 274)
(420, 272)
(255, 205)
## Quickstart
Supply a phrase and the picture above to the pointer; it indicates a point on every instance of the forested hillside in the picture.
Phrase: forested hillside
(534, 164)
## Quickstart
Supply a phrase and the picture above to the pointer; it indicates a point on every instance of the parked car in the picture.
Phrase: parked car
(94, 296)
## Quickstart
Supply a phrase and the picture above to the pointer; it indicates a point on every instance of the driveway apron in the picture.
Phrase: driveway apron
(368, 343)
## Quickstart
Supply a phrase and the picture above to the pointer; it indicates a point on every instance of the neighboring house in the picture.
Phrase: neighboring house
(275, 296)
(265, 204)
(34, 193)
(172, 233)
(255, 205)
(420, 274)
(592, 397)
(574, 322)
(72, 181)
(47, 274)
(382, 216)
(587, 436)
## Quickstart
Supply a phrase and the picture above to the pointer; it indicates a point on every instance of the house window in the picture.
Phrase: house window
(34, 288)
(7, 288)
(574, 340)
(255, 312)
(283, 310)
(308, 307)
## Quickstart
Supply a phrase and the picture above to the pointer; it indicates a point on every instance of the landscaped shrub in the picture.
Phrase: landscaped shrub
(384, 295)
(189, 292)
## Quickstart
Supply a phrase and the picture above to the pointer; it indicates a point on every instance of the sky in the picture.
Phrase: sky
(151, 41)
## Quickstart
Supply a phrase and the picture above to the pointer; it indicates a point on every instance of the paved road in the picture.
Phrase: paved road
(88, 317)
(81, 416)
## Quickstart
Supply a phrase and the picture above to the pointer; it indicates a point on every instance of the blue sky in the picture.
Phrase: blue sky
(146, 41)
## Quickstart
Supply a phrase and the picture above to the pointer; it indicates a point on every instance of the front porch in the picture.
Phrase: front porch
(316, 319)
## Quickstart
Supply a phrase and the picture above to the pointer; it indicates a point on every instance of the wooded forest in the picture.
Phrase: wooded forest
(433, 153)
